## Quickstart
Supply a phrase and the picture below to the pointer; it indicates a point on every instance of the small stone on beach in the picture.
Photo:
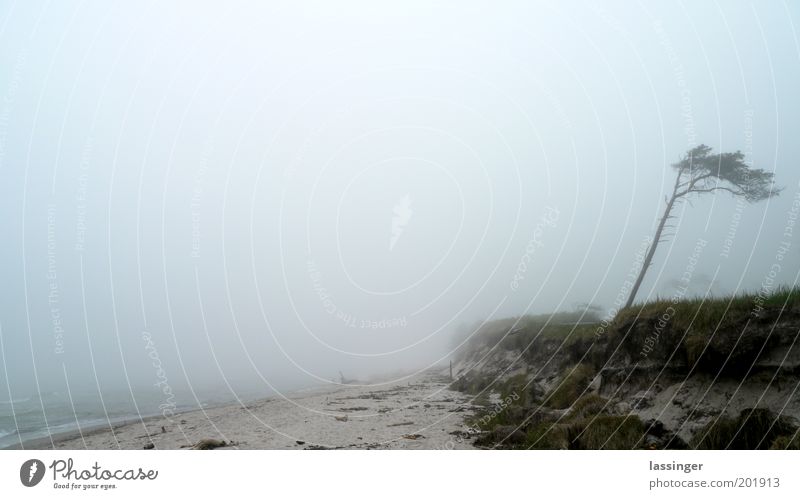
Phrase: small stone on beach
(208, 444)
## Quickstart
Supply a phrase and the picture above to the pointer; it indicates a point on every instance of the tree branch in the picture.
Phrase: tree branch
(719, 188)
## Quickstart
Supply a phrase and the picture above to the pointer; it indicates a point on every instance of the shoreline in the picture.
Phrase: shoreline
(421, 412)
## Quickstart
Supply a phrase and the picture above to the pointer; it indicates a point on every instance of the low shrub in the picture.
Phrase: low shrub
(753, 429)
(573, 383)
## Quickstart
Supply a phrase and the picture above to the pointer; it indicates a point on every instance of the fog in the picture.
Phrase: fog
(240, 199)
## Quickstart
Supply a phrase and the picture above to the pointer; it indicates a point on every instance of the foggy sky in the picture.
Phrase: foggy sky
(273, 194)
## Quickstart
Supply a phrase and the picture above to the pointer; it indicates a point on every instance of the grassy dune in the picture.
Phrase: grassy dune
(720, 335)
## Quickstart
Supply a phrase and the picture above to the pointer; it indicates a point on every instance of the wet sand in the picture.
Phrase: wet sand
(420, 412)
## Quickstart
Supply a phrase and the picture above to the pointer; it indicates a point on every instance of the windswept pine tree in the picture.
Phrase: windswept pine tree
(701, 172)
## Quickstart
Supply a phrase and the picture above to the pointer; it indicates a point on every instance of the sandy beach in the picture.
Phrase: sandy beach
(420, 412)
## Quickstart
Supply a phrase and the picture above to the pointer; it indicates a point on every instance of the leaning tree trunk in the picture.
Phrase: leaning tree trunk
(648, 259)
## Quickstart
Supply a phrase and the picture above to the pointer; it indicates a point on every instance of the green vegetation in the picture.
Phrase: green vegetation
(711, 334)
(471, 383)
(519, 388)
(573, 383)
(706, 314)
(700, 172)
(686, 324)
(549, 436)
(718, 334)
(522, 334)
(611, 432)
(752, 429)
(587, 406)
(787, 442)
(589, 424)
(590, 427)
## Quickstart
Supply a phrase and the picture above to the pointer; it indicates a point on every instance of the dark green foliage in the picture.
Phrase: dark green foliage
(711, 335)
(611, 433)
(589, 424)
(471, 383)
(549, 436)
(705, 332)
(699, 331)
(706, 313)
(572, 385)
(517, 388)
(753, 429)
(591, 433)
(703, 172)
(511, 410)
(787, 442)
(587, 406)
(519, 333)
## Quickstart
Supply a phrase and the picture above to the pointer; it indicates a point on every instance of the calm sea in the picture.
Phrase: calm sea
(48, 413)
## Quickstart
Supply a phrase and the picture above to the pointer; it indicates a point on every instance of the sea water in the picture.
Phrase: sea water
(49, 413)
